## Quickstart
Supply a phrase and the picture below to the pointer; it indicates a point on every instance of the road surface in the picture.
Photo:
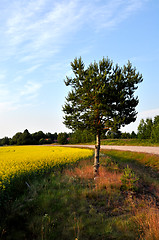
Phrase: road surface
(144, 149)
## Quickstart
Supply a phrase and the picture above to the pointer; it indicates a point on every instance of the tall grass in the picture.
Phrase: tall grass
(147, 222)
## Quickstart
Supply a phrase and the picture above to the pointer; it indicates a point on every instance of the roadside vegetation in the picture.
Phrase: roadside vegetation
(68, 203)
(128, 142)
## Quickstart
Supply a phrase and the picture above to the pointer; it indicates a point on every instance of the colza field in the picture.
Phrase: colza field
(20, 161)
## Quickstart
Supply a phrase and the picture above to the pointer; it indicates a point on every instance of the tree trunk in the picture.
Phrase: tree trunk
(96, 156)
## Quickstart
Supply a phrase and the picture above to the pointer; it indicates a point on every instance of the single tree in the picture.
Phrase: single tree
(101, 97)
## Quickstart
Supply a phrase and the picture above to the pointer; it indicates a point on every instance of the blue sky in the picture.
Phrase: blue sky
(39, 39)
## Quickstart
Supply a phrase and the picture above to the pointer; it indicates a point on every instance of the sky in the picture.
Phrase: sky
(40, 38)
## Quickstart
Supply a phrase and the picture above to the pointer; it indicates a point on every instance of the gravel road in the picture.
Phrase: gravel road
(144, 149)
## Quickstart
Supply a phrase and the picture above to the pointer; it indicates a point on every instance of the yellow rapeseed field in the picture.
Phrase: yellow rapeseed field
(18, 161)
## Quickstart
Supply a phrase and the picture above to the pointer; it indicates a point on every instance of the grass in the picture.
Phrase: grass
(126, 142)
(71, 204)
(129, 142)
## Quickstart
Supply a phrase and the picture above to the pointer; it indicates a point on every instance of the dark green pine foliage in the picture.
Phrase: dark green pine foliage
(101, 96)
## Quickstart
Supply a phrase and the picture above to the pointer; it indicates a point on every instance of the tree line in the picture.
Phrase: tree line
(39, 138)
(147, 129)
(26, 138)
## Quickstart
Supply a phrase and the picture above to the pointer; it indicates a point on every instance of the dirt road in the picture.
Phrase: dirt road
(145, 149)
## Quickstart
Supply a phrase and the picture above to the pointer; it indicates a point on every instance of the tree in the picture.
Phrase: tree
(155, 130)
(62, 138)
(5, 141)
(79, 136)
(145, 128)
(156, 120)
(38, 135)
(16, 138)
(101, 97)
(24, 138)
(133, 135)
(125, 135)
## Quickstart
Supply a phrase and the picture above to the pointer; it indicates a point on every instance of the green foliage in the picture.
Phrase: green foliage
(114, 134)
(26, 138)
(79, 136)
(149, 129)
(62, 138)
(38, 135)
(5, 141)
(145, 128)
(133, 135)
(129, 180)
(102, 96)
(155, 130)
(155, 134)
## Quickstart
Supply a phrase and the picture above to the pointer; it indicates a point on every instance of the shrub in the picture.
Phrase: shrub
(129, 180)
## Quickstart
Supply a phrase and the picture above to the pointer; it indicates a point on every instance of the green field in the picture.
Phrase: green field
(129, 142)
(68, 203)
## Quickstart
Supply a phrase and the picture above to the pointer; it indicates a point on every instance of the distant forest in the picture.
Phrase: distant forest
(147, 129)
(39, 138)
(27, 138)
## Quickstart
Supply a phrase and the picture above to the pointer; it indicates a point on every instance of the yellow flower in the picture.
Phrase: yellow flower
(25, 160)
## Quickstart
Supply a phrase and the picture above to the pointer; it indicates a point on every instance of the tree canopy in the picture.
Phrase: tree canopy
(102, 95)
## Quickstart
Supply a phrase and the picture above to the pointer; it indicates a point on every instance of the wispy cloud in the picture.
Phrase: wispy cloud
(45, 24)
(21, 96)
(30, 89)
(34, 32)
(148, 113)
(43, 29)
(32, 69)
(112, 13)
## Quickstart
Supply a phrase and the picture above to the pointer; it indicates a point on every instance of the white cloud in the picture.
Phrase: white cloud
(149, 113)
(30, 89)
(32, 69)
(41, 25)
(20, 97)
(29, 31)
(114, 12)
(35, 31)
